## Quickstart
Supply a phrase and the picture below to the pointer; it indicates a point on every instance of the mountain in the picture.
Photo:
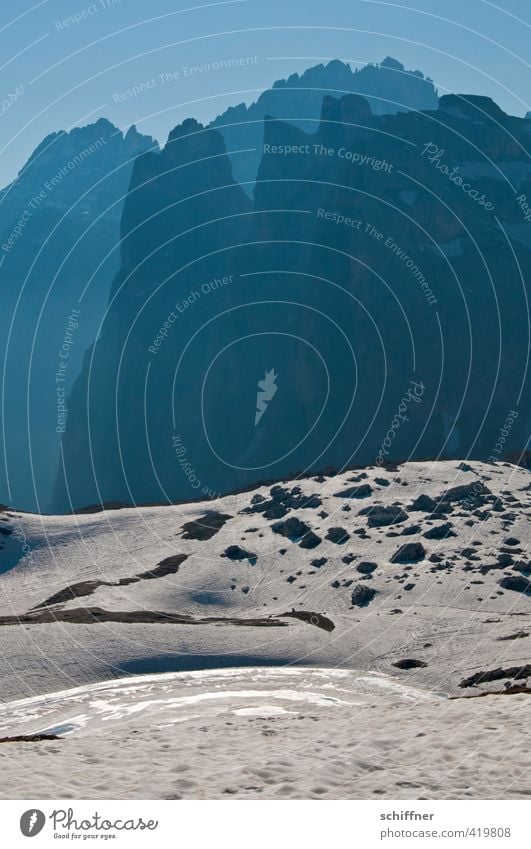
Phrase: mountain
(59, 235)
(370, 306)
(59, 224)
(388, 87)
(183, 214)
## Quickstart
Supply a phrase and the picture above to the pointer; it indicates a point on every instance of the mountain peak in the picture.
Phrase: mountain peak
(391, 63)
(188, 126)
(473, 106)
(388, 88)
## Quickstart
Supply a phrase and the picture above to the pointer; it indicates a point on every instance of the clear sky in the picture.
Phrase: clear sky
(72, 61)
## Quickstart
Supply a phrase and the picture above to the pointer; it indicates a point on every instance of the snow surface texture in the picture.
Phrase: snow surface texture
(266, 733)
(402, 585)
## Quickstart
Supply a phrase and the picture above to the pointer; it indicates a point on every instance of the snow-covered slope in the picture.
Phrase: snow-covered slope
(264, 733)
(420, 573)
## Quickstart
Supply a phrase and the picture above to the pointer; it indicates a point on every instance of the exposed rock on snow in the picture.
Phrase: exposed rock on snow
(409, 663)
(411, 552)
(88, 597)
(205, 527)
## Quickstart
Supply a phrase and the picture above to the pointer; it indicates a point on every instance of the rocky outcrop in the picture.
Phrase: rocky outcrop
(387, 87)
(59, 237)
(373, 304)
(183, 214)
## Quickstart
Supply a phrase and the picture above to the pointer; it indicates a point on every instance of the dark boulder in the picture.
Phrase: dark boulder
(337, 535)
(409, 663)
(291, 528)
(318, 562)
(518, 583)
(362, 595)
(206, 527)
(411, 552)
(362, 491)
(440, 532)
(382, 516)
(310, 540)
(234, 552)
(366, 567)
(424, 504)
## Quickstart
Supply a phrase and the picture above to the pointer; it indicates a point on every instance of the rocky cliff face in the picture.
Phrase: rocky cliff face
(59, 235)
(371, 306)
(183, 220)
(388, 87)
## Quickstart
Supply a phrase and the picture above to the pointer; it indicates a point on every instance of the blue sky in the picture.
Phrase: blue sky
(68, 62)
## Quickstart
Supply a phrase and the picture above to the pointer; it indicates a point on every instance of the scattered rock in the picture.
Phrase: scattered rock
(515, 672)
(310, 540)
(410, 663)
(379, 516)
(316, 619)
(411, 552)
(363, 491)
(411, 530)
(505, 560)
(234, 552)
(281, 501)
(206, 527)
(168, 566)
(30, 738)
(440, 532)
(83, 588)
(469, 492)
(366, 567)
(337, 535)
(518, 583)
(291, 528)
(362, 595)
(423, 504)
(518, 635)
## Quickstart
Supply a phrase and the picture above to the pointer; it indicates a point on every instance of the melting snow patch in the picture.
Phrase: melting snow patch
(265, 710)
